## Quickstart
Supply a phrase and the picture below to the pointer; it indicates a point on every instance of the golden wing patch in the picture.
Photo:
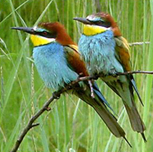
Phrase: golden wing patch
(122, 50)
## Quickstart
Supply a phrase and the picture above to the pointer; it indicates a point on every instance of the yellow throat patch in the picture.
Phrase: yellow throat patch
(39, 40)
(93, 29)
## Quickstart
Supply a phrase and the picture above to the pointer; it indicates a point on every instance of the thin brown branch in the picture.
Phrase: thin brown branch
(45, 107)
(138, 43)
(117, 74)
(34, 125)
(135, 72)
(56, 95)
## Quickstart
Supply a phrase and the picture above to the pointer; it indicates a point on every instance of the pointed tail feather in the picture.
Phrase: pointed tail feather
(110, 121)
(102, 110)
(127, 142)
(144, 138)
(135, 119)
(106, 116)
(124, 88)
(136, 90)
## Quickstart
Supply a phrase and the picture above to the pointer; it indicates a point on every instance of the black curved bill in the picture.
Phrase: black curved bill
(83, 20)
(24, 29)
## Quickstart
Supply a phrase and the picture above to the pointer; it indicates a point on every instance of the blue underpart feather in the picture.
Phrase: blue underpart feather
(98, 52)
(52, 65)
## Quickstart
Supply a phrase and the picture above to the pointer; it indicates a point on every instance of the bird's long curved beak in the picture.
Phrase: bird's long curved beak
(29, 30)
(83, 20)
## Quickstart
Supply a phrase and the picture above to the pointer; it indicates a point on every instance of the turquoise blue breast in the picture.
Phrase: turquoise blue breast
(98, 51)
(52, 65)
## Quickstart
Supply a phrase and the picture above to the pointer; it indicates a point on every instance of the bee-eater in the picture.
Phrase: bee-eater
(106, 51)
(58, 62)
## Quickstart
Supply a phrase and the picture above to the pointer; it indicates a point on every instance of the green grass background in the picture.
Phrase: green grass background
(71, 125)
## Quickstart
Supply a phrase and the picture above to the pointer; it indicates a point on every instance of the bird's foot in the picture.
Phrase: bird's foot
(91, 89)
(55, 95)
(80, 74)
(103, 75)
(114, 74)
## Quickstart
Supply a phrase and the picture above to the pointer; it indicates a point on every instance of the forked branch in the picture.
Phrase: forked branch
(56, 95)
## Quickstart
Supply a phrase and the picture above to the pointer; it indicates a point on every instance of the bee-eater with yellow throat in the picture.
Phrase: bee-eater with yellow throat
(58, 62)
(106, 51)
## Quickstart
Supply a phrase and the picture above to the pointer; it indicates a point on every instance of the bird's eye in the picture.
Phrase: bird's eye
(99, 22)
(45, 33)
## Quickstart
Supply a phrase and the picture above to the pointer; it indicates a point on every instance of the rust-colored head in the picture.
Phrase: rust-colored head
(58, 31)
(47, 32)
(101, 19)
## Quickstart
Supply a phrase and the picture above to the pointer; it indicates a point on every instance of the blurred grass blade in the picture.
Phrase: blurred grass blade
(12, 78)
(43, 13)
(14, 134)
(149, 79)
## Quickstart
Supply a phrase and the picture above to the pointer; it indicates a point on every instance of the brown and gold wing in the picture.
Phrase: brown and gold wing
(122, 52)
(74, 60)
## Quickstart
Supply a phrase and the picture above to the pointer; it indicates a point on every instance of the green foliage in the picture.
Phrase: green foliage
(71, 125)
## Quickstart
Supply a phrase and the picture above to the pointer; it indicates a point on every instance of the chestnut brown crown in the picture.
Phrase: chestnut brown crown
(57, 30)
(101, 19)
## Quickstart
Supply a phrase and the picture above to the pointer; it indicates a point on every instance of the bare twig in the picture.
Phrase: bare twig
(138, 43)
(56, 95)
(45, 107)
(35, 125)
(135, 72)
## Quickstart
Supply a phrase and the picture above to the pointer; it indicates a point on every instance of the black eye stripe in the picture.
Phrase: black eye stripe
(102, 23)
(99, 22)
(46, 34)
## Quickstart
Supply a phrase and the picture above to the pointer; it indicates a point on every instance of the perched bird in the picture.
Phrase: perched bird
(58, 62)
(106, 51)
